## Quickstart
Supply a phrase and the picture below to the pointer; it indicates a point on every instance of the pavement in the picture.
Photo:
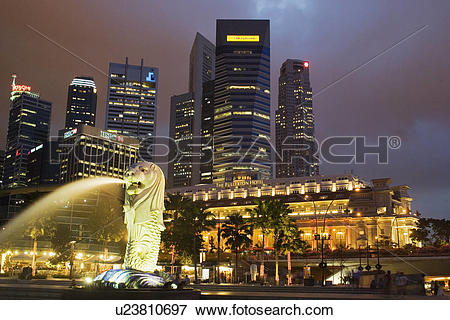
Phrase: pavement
(60, 289)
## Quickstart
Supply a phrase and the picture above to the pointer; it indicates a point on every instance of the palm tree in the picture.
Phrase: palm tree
(237, 232)
(174, 205)
(291, 242)
(282, 227)
(106, 223)
(183, 233)
(39, 227)
(260, 220)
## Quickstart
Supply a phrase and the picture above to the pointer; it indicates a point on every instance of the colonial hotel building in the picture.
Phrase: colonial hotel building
(348, 211)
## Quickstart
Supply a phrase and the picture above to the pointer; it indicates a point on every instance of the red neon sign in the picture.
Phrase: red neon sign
(20, 87)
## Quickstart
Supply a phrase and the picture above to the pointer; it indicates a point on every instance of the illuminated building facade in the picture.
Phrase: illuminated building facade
(43, 167)
(206, 163)
(132, 103)
(2, 160)
(180, 167)
(294, 122)
(28, 127)
(186, 117)
(81, 103)
(91, 152)
(242, 101)
(345, 209)
(202, 61)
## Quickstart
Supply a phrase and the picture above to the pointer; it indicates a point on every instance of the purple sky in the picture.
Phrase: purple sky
(403, 92)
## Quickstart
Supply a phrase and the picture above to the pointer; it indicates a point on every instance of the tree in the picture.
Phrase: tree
(422, 232)
(39, 227)
(174, 205)
(106, 223)
(291, 242)
(61, 243)
(282, 227)
(432, 231)
(260, 220)
(183, 232)
(237, 234)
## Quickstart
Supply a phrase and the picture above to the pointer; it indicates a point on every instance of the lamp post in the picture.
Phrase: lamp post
(368, 267)
(323, 264)
(378, 266)
(72, 253)
(218, 250)
(360, 268)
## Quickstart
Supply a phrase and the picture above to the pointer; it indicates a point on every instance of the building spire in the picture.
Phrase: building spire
(14, 76)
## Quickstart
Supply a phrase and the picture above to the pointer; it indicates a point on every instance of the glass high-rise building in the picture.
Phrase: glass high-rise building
(28, 127)
(206, 163)
(184, 168)
(81, 103)
(132, 103)
(294, 122)
(242, 101)
(181, 131)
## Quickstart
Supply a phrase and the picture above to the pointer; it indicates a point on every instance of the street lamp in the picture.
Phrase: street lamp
(368, 267)
(360, 268)
(218, 250)
(72, 253)
(378, 266)
(322, 263)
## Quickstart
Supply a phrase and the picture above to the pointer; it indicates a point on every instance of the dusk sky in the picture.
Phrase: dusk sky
(401, 89)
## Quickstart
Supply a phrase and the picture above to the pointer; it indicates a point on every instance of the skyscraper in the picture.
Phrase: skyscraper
(206, 163)
(132, 103)
(186, 117)
(88, 152)
(81, 102)
(294, 122)
(242, 101)
(2, 160)
(28, 127)
(181, 129)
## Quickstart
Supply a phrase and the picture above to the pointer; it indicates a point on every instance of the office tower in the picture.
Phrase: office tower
(181, 131)
(294, 122)
(206, 163)
(43, 169)
(28, 127)
(242, 101)
(81, 103)
(201, 69)
(91, 152)
(2, 160)
(185, 168)
(131, 103)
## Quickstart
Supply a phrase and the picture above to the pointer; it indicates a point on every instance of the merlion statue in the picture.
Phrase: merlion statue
(143, 207)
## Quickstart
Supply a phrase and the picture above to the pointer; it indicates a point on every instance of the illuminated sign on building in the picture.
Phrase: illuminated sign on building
(20, 87)
(151, 77)
(111, 136)
(243, 38)
(39, 147)
(70, 133)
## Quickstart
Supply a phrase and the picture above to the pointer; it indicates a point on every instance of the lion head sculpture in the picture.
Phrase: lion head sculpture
(145, 180)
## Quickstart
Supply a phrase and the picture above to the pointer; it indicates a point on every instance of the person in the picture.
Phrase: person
(439, 290)
(187, 280)
(388, 282)
(401, 282)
